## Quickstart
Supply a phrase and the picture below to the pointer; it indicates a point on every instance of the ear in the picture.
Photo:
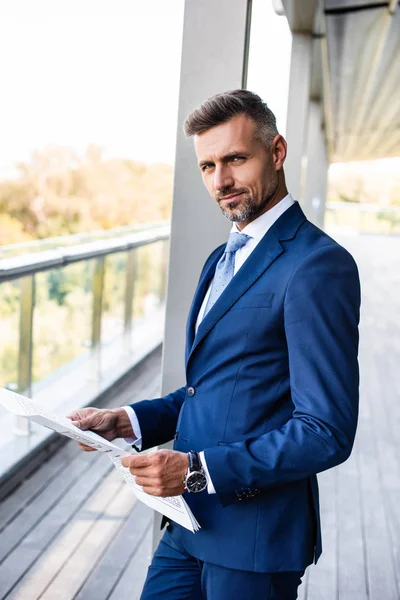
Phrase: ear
(279, 149)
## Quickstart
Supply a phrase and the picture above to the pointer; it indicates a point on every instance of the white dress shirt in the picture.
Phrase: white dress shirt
(256, 231)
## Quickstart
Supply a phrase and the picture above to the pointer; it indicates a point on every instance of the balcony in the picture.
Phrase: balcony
(70, 528)
(73, 530)
(77, 317)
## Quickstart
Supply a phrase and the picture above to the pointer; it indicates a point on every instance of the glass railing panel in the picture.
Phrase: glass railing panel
(10, 295)
(70, 240)
(62, 321)
(112, 323)
(71, 328)
(149, 279)
(354, 217)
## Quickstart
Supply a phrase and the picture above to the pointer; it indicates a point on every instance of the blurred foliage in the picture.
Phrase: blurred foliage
(60, 193)
(372, 182)
(62, 316)
(392, 218)
(340, 220)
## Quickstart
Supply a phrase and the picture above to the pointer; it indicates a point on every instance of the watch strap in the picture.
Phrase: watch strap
(194, 461)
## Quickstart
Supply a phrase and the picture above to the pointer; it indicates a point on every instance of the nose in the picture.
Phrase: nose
(222, 178)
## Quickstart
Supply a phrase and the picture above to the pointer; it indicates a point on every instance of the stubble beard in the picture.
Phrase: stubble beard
(240, 211)
(246, 209)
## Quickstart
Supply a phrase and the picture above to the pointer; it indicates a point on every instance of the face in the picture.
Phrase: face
(240, 173)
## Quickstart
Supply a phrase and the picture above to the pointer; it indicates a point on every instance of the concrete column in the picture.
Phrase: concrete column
(214, 59)
(316, 176)
(296, 124)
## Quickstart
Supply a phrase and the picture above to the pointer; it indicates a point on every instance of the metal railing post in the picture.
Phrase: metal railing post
(27, 300)
(129, 291)
(97, 309)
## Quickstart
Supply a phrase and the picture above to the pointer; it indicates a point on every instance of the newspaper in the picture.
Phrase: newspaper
(174, 507)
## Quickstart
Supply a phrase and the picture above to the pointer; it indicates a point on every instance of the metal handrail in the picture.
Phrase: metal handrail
(25, 267)
(29, 264)
(76, 238)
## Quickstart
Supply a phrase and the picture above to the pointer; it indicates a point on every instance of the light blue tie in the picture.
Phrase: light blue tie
(225, 268)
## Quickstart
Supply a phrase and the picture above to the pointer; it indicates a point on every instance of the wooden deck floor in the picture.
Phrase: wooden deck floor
(74, 532)
(361, 498)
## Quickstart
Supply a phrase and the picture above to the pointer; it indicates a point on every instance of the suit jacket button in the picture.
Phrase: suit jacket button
(191, 391)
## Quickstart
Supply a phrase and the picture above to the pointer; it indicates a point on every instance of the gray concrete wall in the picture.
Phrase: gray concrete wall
(316, 177)
(297, 115)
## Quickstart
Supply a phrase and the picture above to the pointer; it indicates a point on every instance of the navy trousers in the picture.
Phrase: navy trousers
(176, 575)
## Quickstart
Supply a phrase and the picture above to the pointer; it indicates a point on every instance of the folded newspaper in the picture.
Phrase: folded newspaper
(174, 507)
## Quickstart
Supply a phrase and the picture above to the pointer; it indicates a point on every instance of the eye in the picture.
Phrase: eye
(237, 158)
(206, 167)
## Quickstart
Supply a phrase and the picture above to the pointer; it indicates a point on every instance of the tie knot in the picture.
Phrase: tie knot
(236, 240)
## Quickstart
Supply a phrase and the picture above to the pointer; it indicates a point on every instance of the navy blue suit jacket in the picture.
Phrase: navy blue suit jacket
(275, 372)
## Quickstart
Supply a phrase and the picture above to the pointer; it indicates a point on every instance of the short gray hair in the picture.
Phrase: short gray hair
(222, 107)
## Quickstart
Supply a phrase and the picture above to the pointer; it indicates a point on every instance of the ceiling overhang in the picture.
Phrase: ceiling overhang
(355, 73)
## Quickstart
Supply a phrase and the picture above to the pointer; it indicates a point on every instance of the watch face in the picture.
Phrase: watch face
(196, 482)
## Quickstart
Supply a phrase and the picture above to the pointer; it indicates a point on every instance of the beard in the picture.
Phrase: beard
(246, 208)
(242, 210)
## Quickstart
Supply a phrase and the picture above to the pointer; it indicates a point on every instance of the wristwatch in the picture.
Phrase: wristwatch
(195, 479)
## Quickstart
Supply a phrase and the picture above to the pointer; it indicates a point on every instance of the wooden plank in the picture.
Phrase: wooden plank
(144, 385)
(40, 509)
(392, 458)
(322, 579)
(381, 577)
(109, 570)
(379, 450)
(130, 585)
(76, 570)
(36, 484)
(352, 575)
(51, 559)
(144, 390)
(32, 487)
(386, 451)
(24, 555)
(28, 518)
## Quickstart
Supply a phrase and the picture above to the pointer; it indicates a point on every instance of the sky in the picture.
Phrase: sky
(269, 60)
(76, 72)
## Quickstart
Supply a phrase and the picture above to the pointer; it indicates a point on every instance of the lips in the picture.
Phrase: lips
(231, 198)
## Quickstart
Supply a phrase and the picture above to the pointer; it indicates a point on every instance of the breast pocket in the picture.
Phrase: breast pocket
(255, 301)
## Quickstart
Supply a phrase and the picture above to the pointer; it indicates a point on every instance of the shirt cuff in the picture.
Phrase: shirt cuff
(137, 440)
(210, 487)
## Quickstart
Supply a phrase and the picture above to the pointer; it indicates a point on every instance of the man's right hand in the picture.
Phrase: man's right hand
(109, 423)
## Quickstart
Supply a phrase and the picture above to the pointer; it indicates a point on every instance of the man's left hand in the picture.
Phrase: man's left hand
(160, 473)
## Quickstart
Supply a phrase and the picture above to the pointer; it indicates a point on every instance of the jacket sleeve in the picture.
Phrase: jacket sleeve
(321, 313)
(158, 418)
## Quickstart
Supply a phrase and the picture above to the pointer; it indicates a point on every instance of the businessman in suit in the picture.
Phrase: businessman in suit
(271, 391)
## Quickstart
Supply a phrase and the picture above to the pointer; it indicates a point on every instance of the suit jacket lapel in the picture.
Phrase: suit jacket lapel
(266, 252)
(254, 266)
(198, 298)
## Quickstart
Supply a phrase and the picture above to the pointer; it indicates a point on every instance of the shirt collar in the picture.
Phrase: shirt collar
(259, 227)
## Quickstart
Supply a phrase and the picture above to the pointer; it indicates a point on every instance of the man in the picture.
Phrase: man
(271, 396)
